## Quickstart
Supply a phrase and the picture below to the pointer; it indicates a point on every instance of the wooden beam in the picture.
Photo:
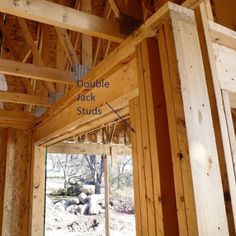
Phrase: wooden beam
(63, 17)
(20, 69)
(22, 98)
(222, 35)
(92, 124)
(119, 57)
(16, 119)
(89, 148)
(123, 86)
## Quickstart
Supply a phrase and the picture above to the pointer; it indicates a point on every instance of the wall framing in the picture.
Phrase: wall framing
(175, 86)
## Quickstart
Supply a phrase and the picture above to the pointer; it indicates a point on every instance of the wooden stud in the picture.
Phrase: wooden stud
(211, 215)
(37, 215)
(17, 183)
(222, 129)
(3, 156)
(139, 190)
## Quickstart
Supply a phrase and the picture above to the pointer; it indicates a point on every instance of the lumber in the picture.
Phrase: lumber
(203, 13)
(22, 98)
(16, 119)
(27, 70)
(16, 55)
(123, 86)
(154, 137)
(89, 148)
(122, 55)
(67, 45)
(137, 153)
(222, 35)
(225, 60)
(205, 170)
(114, 8)
(232, 100)
(152, 187)
(34, 50)
(64, 17)
(17, 183)
(86, 127)
(181, 165)
(87, 44)
(3, 157)
(37, 201)
(139, 188)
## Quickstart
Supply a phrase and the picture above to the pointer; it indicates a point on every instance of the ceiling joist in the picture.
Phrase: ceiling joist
(22, 98)
(20, 69)
(64, 17)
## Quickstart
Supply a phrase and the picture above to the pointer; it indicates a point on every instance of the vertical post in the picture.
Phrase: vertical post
(179, 145)
(107, 186)
(37, 191)
(17, 175)
(138, 171)
(203, 13)
(153, 175)
(191, 102)
(3, 150)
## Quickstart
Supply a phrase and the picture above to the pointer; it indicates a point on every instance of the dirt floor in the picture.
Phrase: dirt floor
(59, 222)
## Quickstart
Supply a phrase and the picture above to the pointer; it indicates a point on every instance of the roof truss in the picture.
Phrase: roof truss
(63, 17)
